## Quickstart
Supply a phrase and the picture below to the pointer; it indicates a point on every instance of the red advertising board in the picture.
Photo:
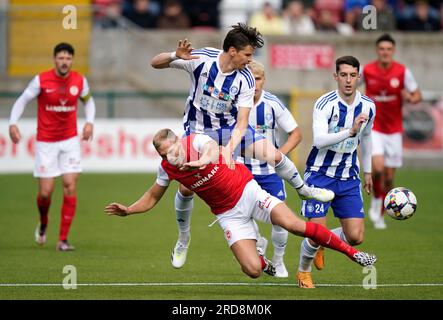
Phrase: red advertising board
(302, 56)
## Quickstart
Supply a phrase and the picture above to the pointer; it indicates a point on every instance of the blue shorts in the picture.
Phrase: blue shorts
(348, 201)
(273, 184)
(223, 135)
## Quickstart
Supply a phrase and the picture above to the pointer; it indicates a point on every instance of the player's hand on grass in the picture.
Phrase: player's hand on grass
(88, 130)
(184, 50)
(361, 118)
(227, 157)
(14, 133)
(117, 209)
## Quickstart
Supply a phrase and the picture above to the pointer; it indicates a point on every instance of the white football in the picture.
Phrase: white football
(400, 203)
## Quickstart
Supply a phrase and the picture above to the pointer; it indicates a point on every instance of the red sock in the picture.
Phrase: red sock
(68, 213)
(263, 262)
(378, 192)
(326, 238)
(43, 208)
(382, 204)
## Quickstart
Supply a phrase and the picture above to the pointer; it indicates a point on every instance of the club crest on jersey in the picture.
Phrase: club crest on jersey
(73, 90)
(198, 175)
(233, 90)
(265, 203)
(394, 83)
(310, 207)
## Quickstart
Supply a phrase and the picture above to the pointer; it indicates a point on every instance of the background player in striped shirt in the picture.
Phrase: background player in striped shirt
(388, 83)
(273, 120)
(57, 149)
(342, 120)
(233, 196)
(219, 102)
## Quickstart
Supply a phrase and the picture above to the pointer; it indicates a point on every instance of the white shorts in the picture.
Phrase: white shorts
(53, 159)
(390, 146)
(255, 203)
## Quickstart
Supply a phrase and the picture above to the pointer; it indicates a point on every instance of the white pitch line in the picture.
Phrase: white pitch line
(183, 284)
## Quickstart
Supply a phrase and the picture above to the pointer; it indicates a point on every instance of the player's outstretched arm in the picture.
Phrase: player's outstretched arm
(145, 203)
(183, 51)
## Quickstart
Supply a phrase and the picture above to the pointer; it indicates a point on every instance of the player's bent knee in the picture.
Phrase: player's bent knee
(253, 270)
(45, 194)
(355, 239)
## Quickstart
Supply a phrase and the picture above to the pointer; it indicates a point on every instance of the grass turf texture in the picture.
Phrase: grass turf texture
(137, 249)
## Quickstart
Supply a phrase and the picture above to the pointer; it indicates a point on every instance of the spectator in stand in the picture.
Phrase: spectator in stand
(142, 13)
(307, 4)
(173, 16)
(423, 19)
(334, 8)
(353, 12)
(296, 20)
(327, 23)
(204, 14)
(385, 16)
(268, 21)
(108, 13)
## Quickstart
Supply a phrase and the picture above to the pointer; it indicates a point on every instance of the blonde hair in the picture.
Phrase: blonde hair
(257, 67)
(162, 135)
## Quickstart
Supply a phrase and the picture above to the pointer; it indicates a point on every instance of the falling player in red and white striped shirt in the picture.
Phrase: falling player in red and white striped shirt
(233, 196)
(57, 149)
(388, 83)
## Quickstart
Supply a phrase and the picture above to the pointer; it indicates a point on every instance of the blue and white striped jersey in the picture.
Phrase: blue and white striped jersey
(332, 115)
(214, 96)
(272, 119)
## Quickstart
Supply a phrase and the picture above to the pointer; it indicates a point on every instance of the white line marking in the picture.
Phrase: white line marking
(213, 284)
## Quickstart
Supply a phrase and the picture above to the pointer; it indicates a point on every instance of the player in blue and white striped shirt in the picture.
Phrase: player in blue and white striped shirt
(219, 103)
(273, 120)
(342, 120)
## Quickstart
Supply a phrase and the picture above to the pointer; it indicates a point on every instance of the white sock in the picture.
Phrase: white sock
(261, 241)
(339, 233)
(183, 209)
(307, 254)
(375, 208)
(279, 240)
(286, 170)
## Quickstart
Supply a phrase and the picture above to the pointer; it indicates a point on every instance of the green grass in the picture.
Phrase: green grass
(137, 249)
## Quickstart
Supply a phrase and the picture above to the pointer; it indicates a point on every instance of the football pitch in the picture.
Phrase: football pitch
(129, 258)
